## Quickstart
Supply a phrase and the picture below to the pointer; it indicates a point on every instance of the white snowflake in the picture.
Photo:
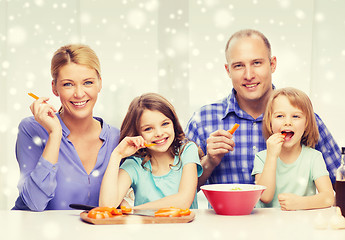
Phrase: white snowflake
(136, 18)
(319, 17)
(162, 72)
(17, 106)
(17, 35)
(284, 3)
(151, 5)
(4, 169)
(4, 122)
(5, 64)
(95, 173)
(85, 18)
(113, 88)
(223, 18)
(37, 140)
(220, 37)
(39, 2)
(170, 52)
(300, 14)
(196, 52)
(209, 65)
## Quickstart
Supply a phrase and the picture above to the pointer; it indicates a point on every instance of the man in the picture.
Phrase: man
(229, 158)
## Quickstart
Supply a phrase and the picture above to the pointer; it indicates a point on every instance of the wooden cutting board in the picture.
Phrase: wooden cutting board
(135, 219)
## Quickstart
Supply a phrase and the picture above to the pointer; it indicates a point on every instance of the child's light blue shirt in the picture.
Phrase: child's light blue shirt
(148, 188)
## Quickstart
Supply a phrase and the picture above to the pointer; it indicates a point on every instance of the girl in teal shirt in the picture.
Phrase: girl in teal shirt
(159, 163)
(291, 168)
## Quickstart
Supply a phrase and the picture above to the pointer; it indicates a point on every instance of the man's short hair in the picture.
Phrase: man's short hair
(249, 33)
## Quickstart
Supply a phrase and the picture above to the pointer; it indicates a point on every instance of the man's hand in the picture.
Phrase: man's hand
(218, 144)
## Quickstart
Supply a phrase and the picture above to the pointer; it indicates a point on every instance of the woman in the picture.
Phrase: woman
(63, 156)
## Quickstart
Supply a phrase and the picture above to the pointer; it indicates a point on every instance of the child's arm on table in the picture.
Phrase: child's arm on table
(324, 198)
(186, 193)
(116, 183)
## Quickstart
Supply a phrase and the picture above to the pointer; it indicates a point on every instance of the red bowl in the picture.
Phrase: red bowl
(233, 199)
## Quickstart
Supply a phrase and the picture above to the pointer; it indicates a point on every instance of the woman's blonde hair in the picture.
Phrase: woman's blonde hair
(301, 101)
(74, 53)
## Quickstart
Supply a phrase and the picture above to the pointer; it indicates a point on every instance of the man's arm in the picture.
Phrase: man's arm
(329, 149)
(218, 144)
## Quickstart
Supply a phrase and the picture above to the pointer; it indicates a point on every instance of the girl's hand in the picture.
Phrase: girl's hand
(289, 201)
(44, 114)
(128, 146)
(274, 144)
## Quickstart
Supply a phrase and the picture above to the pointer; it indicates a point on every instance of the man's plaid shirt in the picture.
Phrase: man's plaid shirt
(236, 166)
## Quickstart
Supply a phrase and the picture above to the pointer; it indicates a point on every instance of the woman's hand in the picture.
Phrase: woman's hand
(274, 145)
(44, 114)
(128, 146)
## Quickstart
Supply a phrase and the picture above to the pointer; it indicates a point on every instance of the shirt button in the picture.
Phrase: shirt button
(254, 148)
(54, 167)
(254, 124)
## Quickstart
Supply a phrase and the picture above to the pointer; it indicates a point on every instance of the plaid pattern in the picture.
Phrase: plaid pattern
(236, 166)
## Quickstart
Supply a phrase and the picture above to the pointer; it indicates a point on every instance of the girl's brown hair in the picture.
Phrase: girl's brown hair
(301, 101)
(154, 102)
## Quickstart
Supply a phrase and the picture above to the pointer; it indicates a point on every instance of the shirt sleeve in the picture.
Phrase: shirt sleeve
(37, 181)
(259, 162)
(318, 168)
(131, 166)
(195, 133)
(190, 155)
(329, 149)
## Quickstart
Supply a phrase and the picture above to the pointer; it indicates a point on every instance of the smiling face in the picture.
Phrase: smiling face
(288, 119)
(250, 68)
(157, 128)
(78, 87)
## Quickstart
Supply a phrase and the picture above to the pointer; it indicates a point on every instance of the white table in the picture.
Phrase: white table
(261, 224)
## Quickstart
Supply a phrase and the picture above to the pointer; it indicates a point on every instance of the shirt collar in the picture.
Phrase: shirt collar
(232, 106)
(66, 131)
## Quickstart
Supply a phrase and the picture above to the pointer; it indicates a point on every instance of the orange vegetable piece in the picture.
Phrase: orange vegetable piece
(33, 95)
(116, 211)
(172, 212)
(234, 128)
(103, 212)
(125, 209)
(149, 145)
(185, 212)
(99, 212)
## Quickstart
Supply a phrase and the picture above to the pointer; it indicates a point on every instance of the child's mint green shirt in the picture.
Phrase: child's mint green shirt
(298, 177)
(148, 188)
